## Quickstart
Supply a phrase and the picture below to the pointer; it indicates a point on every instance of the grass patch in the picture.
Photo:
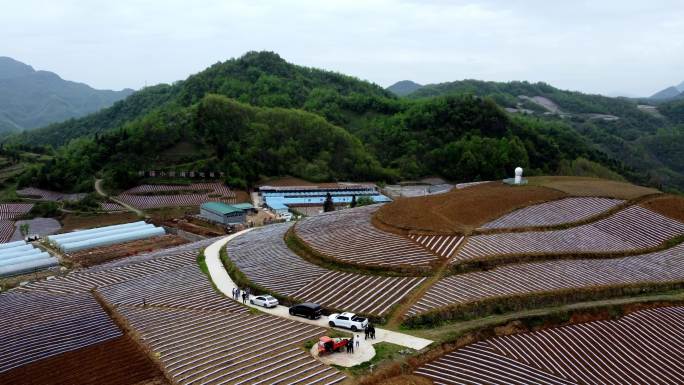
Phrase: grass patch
(384, 352)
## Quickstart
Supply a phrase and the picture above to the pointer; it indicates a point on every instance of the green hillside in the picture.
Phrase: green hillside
(258, 78)
(613, 126)
(258, 116)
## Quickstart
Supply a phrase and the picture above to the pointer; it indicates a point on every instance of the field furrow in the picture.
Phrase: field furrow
(556, 212)
(349, 236)
(528, 278)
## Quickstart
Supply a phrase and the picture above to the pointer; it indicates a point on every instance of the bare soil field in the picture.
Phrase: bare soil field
(114, 362)
(671, 206)
(584, 186)
(91, 257)
(73, 222)
(461, 210)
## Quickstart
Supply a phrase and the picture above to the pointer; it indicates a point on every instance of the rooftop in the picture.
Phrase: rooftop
(221, 208)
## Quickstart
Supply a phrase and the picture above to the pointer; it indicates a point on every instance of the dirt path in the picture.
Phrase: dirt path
(100, 191)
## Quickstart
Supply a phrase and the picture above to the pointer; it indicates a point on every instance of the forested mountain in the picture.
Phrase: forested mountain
(614, 126)
(30, 99)
(404, 87)
(244, 116)
(257, 78)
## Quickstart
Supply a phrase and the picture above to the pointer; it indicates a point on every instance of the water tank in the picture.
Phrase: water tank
(518, 175)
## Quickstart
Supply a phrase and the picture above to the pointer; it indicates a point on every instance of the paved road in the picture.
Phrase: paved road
(225, 284)
(100, 191)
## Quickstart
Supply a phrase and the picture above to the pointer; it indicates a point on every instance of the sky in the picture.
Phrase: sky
(612, 47)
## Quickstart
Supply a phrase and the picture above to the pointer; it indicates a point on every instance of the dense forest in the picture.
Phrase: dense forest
(646, 143)
(258, 116)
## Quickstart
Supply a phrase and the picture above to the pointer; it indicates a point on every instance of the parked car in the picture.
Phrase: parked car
(307, 309)
(264, 300)
(347, 320)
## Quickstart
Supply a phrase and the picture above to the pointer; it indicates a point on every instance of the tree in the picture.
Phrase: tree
(364, 201)
(328, 205)
(353, 201)
(24, 228)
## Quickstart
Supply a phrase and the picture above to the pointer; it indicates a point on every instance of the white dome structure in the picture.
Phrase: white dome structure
(518, 175)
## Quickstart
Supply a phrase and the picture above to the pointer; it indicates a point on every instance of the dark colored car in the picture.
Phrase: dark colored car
(308, 310)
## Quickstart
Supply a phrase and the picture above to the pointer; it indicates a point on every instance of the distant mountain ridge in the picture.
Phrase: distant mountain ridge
(31, 99)
(672, 92)
(404, 87)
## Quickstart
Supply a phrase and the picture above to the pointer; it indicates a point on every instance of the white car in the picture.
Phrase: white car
(264, 300)
(347, 320)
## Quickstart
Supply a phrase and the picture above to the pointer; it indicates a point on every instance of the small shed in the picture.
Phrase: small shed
(223, 213)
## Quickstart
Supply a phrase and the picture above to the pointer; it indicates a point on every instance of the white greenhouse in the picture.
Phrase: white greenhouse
(105, 236)
(21, 257)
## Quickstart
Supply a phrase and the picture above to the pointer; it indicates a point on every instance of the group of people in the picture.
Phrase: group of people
(237, 293)
(355, 340)
(369, 330)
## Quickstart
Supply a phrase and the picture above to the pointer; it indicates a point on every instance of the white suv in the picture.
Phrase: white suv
(347, 320)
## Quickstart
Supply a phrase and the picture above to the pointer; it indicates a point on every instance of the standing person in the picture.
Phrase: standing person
(366, 330)
(357, 340)
(351, 344)
(244, 298)
(372, 331)
(347, 347)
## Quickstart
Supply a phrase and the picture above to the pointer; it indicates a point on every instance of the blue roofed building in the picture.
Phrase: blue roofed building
(280, 199)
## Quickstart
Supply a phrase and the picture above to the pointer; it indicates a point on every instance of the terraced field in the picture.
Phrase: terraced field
(349, 236)
(230, 348)
(108, 206)
(442, 245)
(47, 195)
(265, 259)
(556, 212)
(643, 347)
(10, 211)
(527, 278)
(6, 230)
(86, 280)
(37, 326)
(156, 196)
(98, 255)
(118, 361)
(632, 228)
(183, 288)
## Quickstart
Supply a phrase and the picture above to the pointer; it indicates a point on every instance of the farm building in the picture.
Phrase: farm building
(281, 199)
(224, 213)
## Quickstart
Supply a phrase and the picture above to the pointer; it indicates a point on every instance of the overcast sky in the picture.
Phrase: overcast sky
(601, 46)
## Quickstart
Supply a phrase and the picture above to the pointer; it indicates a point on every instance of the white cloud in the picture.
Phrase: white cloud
(594, 46)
